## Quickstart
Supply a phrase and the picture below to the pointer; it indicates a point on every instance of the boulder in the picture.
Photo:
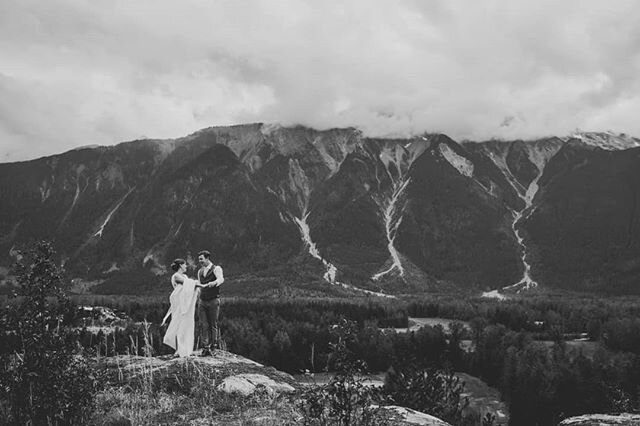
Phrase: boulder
(246, 384)
(407, 416)
(623, 419)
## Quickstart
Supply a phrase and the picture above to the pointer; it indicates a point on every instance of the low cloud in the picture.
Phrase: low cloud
(83, 72)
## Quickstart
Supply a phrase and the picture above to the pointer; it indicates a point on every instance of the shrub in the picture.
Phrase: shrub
(431, 391)
(345, 400)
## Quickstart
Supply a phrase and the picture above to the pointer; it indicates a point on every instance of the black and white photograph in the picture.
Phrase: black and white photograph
(320, 213)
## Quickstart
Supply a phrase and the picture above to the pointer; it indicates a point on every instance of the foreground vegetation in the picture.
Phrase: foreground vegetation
(52, 374)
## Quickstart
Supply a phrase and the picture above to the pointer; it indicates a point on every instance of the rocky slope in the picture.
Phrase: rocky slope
(297, 205)
(224, 389)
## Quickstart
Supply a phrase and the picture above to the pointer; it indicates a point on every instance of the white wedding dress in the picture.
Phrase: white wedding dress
(180, 334)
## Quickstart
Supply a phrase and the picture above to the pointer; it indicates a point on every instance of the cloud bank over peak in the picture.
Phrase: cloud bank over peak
(76, 72)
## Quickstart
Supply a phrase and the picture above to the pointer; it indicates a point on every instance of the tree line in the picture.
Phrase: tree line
(518, 346)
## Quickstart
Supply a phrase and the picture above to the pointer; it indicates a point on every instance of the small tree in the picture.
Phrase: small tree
(345, 400)
(431, 391)
(43, 380)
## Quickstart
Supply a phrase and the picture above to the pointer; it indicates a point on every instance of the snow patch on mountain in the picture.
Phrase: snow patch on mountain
(397, 160)
(498, 154)
(114, 268)
(76, 195)
(526, 282)
(45, 189)
(268, 128)
(305, 233)
(75, 200)
(295, 199)
(155, 265)
(92, 146)
(334, 150)
(331, 271)
(299, 185)
(494, 294)
(464, 166)
(110, 214)
(539, 153)
(295, 192)
(608, 140)
(392, 217)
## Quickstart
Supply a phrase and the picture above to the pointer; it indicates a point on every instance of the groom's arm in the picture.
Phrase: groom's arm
(217, 271)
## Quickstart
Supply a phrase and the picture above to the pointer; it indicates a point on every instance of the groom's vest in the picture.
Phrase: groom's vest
(208, 293)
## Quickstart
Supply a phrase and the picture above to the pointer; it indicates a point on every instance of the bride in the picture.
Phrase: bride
(180, 334)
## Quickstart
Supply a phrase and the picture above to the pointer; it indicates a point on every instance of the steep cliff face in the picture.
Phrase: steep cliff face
(522, 164)
(382, 214)
(577, 223)
(457, 226)
(585, 232)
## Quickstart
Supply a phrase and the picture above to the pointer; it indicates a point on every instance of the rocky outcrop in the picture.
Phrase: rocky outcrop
(243, 392)
(246, 384)
(602, 420)
(407, 416)
(226, 372)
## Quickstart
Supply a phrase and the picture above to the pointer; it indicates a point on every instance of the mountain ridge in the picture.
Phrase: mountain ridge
(332, 204)
(602, 139)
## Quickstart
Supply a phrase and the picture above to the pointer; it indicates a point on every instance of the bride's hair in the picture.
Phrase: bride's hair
(175, 266)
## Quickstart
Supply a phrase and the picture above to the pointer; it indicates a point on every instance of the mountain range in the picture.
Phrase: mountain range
(336, 208)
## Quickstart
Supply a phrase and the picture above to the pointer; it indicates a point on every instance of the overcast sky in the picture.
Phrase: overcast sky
(82, 72)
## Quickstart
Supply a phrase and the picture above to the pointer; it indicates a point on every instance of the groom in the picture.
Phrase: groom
(209, 304)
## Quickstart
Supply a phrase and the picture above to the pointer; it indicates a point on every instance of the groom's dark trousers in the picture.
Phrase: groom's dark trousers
(208, 312)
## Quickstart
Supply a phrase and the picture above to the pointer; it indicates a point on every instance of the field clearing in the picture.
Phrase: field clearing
(416, 324)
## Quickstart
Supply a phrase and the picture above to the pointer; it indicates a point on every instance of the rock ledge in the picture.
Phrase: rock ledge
(623, 419)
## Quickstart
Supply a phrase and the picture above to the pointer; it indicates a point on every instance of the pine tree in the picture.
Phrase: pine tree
(43, 378)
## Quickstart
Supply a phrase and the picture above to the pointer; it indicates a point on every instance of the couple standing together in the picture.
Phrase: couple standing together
(191, 295)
